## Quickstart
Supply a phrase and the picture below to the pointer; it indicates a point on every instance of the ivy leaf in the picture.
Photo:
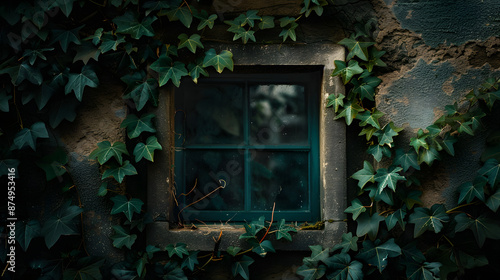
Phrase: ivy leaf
(205, 20)
(63, 108)
(178, 249)
(468, 191)
(419, 141)
(368, 225)
(267, 22)
(87, 268)
(378, 152)
(129, 24)
(4, 101)
(365, 175)
(65, 37)
(26, 231)
(374, 56)
(122, 237)
(388, 178)
(77, 82)
(396, 217)
(146, 151)
(349, 112)
(426, 270)
(377, 254)
(283, 231)
(385, 134)
(105, 151)
(428, 219)
(411, 197)
(345, 269)
(311, 273)
(493, 202)
(491, 170)
(335, 101)
(346, 71)
(366, 89)
(348, 243)
(406, 159)
(253, 228)
(61, 223)
(483, 227)
(103, 189)
(249, 17)
(356, 48)
(28, 136)
(53, 164)
(190, 261)
(119, 171)
(96, 37)
(245, 36)
(22, 72)
(135, 126)
(289, 32)
(241, 267)
(141, 93)
(447, 144)
(195, 70)
(169, 71)
(66, 6)
(428, 156)
(490, 98)
(180, 13)
(85, 52)
(218, 61)
(355, 209)
(370, 118)
(318, 254)
(368, 131)
(125, 206)
(32, 55)
(191, 43)
(465, 127)
(231, 250)
(262, 248)
(109, 42)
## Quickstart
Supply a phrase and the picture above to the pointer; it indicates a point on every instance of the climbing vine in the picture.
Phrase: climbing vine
(54, 51)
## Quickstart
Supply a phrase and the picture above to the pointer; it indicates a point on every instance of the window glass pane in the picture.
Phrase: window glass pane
(213, 114)
(278, 115)
(281, 177)
(205, 168)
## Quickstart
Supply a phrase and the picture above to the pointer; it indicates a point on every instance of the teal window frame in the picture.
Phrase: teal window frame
(311, 78)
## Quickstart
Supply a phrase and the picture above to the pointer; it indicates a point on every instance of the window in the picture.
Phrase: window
(247, 142)
(233, 137)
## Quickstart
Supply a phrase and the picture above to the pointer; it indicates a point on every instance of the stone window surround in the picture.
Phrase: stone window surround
(332, 150)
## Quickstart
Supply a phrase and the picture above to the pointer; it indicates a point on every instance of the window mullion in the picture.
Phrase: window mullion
(246, 133)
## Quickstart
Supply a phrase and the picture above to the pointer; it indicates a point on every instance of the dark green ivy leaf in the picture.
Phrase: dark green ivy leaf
(267, 22)
(77, 82)
(65, 37)
(28, 136)
(428, 156)
(493, 202)
(63, 108)
(196, 70)
(253, 228)
(135, 126)
(118, 172)
(192, 42)
(365, 175)
(111, 42)
(346, 71)
(483, 227)
(374, 56)
(468, 191)
(448, 142)
(396, 217)
(311, 272)
(423, 271)
(428, 219)
(142, 92)
(85, 52)
(4, 101)
(356, 48)
(245, 36)
(262, 248)
(61, 223)
(53, 164)
(105, 151)
(370, 118)
(335, 101)
(218, 61)
(491, 170)
(87, 268)
(345, 269)
(378, 152)
(180, 13)
(32, 55)
(368, 131)
(368, 224)
(66, 6)
(348, 243)
(419, 141)
(349, 111)
(178, 249)
(122, 237)
(146, 151)
(241, 267)
(355, 209)
(231, 250)
(406, 160)
(205, 20)
(388, 178)
(129, 24)
(190, 261)
(385, 134)
(318, 254)
(366, 88)
(169, 71)
(289, 32)
(248, 18)
(377, 254)
(125, 206)
(284, 230)
(26, 231)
